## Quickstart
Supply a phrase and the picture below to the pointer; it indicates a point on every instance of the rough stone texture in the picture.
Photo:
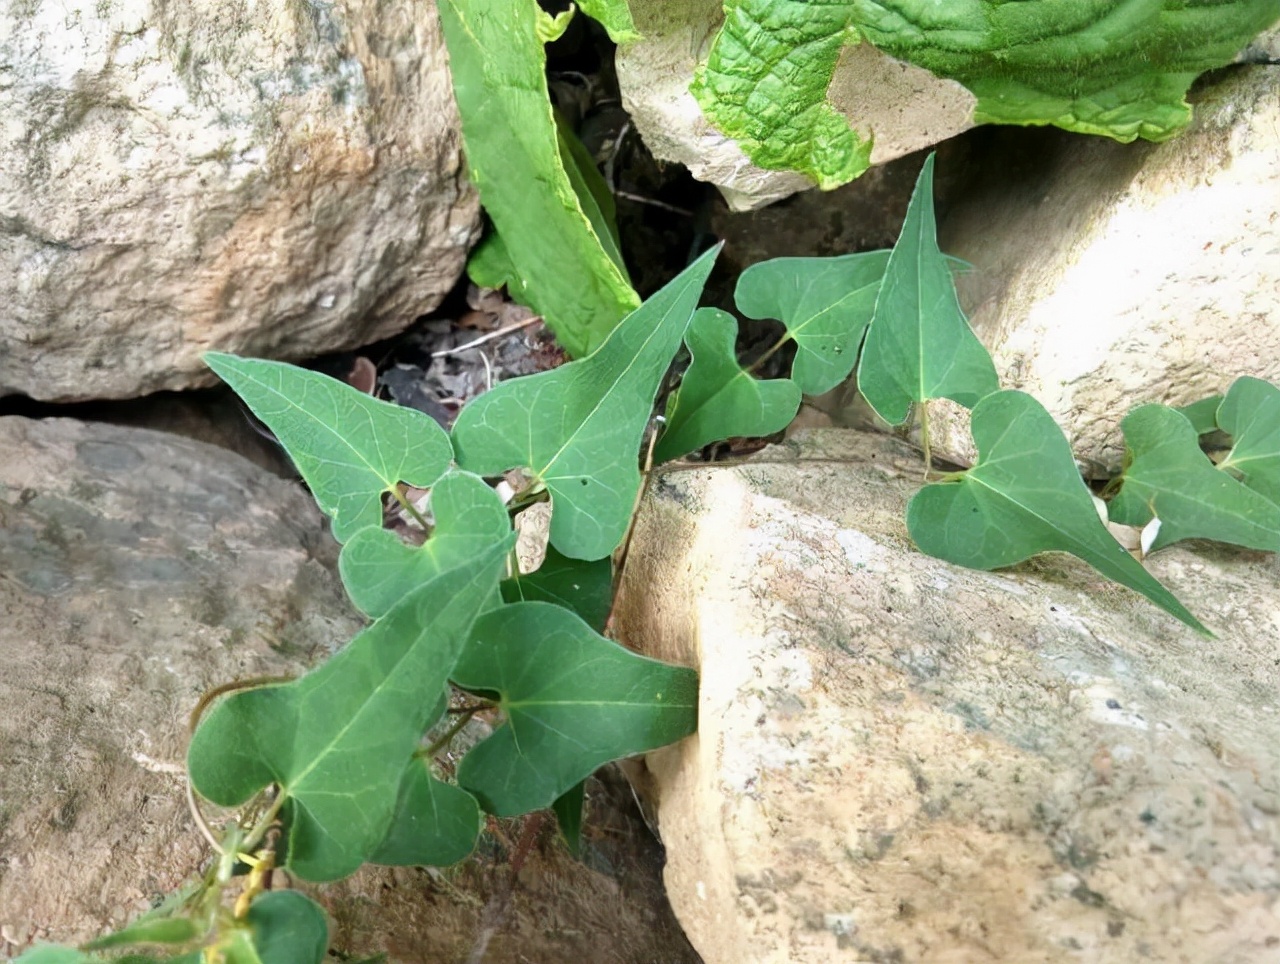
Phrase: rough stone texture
(901, 760)
(1109, 275)
(137, 570)
(277, 179)
(906, 107)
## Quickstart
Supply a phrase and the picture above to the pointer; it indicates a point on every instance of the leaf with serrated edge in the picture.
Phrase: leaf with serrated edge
(577, 428)
(826, 305)
(572, 700)
(1025, 496)
(1169, 477)
(337, 740)
(1250, 413)
(585, 588)
(288, 928)
(436, 824)
(349, 447)
(919, 346)
(378, 568)
(717, 399)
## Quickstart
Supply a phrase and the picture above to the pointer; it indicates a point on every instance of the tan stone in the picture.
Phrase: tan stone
(901, 760)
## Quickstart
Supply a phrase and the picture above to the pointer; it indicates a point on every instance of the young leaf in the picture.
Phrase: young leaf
(826, 304)
(717, 399)
(288, 928)
(336, 740)
(350, 448)
(436, 824)
(568, 811)
(1203, 415)
(1025, 496)
(1251, 414)
(919, 345)
(577, 428)
(498, 68)
(572, 699)
(156, 930)
(378, 568)
(585, 588)
(1170, 478)
(615, 16)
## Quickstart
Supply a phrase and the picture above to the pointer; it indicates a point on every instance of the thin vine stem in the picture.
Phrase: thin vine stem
(772, 350)
(409, 507)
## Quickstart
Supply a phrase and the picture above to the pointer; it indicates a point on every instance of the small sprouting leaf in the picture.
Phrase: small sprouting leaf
(436, 824)
(1025, 496)
(1167, 476)
(155, 930)
(378, 568)
(349, 447)
(614, 16)
(717, 399)
(826, 304)
(920, 345)
(568, 811)
(288, 928)
(1251, 414)
(572, 699)
(585, 588)
(337, 740)
(577, 428)
(1203, 415)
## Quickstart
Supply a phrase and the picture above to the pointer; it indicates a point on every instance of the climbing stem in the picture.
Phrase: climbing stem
(409, 507)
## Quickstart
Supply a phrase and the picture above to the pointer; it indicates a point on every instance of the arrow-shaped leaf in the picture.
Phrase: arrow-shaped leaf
(919, 345)
(717, 399)
(349, 447)
(436, 824)
(1169, 477)
(1025, 496)
(378, 568)
(578, 428)
(585, 588)
(1250, 413)
(572, 699)
(337, 740)
(826, 305)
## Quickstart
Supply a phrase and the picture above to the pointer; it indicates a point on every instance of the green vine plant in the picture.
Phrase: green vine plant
(350, 763)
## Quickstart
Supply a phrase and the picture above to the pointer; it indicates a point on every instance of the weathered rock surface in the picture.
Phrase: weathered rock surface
(276, 179)
(907, 108)
(138, 570)
(1109, 275)
(901, 760)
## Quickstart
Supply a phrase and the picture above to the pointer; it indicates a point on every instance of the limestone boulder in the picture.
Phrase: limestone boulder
(901, 760)
(1109, 275)
(276, 179)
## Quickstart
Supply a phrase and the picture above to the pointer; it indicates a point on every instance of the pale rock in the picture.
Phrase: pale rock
(275, 179)
(901, 760)
(1112, 275)
(905, 107)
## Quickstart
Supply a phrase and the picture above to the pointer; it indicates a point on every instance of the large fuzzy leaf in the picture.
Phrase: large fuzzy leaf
(1250, 413)
(1167, 476)
(920, 346)
(337, 740)
(1025, 496)
(717, 399)
(577, 428)
(498, 68)
(349, 447)
(572, 699)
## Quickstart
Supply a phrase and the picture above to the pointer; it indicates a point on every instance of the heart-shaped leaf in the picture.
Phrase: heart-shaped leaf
(1203, 415)
(436, 824)
(572, 699)
(826, 304)
(337, 740)
(1168, 477)
(1250, 413)
(578, 428)
(378, 568)
(350, 447)
(1025, 496)
(717, 399)
(920, 345)
(288, 928)
(585, 588)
